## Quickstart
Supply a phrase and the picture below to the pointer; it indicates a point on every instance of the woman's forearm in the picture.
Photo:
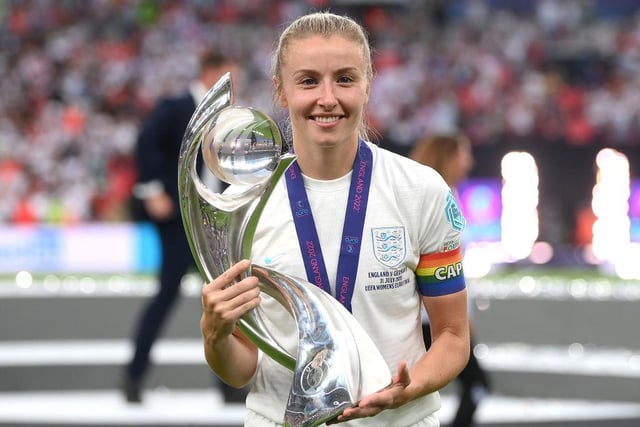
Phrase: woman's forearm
(233, 359)
(443, 362)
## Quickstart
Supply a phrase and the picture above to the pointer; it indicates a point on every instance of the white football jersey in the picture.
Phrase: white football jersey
(410, 248)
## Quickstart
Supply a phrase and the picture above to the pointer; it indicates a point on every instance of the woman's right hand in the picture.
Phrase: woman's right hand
(225, 302)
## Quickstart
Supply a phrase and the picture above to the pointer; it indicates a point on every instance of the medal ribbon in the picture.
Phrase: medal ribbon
(351, 232)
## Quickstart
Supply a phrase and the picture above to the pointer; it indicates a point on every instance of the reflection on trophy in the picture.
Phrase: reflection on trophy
(336, 362)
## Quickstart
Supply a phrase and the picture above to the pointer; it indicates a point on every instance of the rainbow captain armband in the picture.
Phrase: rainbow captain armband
(440, 273)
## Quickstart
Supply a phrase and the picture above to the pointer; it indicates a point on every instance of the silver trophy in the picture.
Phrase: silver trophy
(336, 363)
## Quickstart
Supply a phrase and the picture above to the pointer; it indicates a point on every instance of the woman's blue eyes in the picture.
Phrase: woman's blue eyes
(342, 80)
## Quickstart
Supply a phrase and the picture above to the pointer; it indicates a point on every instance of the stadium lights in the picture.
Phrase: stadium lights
(519, 204)
(517, 231)
(611, 243)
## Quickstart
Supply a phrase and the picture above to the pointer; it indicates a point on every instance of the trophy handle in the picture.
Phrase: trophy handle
(212, 220)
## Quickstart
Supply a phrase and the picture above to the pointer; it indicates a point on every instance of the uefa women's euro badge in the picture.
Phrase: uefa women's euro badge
(336, 362)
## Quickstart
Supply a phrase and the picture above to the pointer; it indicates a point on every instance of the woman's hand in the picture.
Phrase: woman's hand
(393, 396)
(159, 207)
(445, 359)
(224, 302)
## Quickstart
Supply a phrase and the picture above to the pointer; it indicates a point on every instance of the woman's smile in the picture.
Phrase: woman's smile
(326, 119)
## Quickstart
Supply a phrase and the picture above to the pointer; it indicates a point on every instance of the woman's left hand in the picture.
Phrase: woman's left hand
(393, 396)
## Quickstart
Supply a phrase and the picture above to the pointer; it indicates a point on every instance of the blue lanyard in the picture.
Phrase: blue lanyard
(351, 232)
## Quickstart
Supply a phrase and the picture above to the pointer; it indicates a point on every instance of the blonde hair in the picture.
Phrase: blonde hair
(325, 24)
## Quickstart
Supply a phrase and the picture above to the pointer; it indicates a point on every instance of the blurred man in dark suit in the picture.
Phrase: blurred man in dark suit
(156, 155)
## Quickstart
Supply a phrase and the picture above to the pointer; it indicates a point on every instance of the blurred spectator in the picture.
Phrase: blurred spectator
(79, 77)
(451, 156)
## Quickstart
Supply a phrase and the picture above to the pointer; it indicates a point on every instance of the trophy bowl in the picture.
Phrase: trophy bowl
(242, 147)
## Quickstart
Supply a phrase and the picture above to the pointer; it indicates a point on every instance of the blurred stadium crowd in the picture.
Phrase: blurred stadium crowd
(79, 76)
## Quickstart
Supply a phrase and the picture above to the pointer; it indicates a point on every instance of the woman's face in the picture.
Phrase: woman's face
(325, 88)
